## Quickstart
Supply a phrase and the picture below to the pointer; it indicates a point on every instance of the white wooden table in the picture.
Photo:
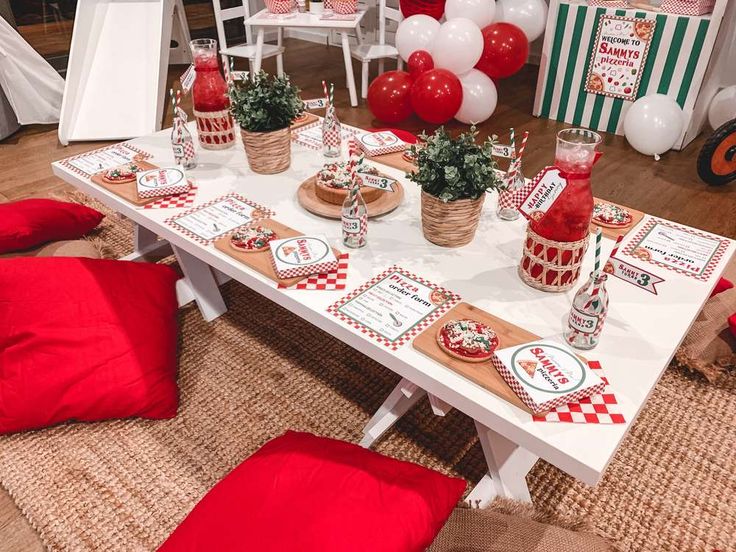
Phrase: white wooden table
(264, 19)
(641, 335)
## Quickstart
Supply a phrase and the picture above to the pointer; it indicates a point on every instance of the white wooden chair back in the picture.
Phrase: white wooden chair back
(227, 14)
(386, 13)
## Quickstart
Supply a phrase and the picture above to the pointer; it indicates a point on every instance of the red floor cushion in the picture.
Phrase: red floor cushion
(85, 339)
(31, 222)
(723, 284)
(300, 492)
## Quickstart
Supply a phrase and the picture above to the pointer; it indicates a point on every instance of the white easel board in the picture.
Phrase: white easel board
(116, 77)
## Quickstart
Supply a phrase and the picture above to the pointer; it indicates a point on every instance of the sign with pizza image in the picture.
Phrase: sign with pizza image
(619, 55)
(546, 374)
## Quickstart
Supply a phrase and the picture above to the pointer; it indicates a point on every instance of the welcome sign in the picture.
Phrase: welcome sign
(620, 53)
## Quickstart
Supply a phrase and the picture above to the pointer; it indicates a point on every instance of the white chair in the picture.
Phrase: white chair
(246, 50)
(368, 52)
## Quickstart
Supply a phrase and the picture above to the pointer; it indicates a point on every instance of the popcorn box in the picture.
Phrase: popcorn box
(161, 182)
(546, 374)
(302, 256)
(380, 143)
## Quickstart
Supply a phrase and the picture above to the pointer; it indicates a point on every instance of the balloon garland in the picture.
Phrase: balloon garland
(452, 65)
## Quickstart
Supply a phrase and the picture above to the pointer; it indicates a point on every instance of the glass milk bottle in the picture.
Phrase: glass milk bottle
(506, 209)
(354, 218)
(331, 134)
(182, 145)
(588, 313)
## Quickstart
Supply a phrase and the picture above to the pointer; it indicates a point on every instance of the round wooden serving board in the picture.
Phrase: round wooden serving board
(307, 196)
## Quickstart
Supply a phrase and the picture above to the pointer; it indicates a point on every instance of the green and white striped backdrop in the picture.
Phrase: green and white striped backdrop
(675, 66)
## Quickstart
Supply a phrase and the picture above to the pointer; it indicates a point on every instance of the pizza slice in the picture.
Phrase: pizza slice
(529, 366)
(288, 250)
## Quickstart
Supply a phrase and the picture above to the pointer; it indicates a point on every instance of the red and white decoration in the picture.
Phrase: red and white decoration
(327, 281)
(380, 143)
(176, 201)
(302, 256)
(162, 182)
(91, 162)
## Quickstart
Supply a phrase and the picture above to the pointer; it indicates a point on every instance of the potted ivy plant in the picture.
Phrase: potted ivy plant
(454, 174)
(264, 107)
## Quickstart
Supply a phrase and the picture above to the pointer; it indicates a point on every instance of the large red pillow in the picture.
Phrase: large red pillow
(31, 222)
(85, 339)
(300, 492)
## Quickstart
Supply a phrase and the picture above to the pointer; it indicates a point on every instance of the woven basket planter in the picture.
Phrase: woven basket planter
(451, 224)
(268, 152)
(215, 129)
(550, 265)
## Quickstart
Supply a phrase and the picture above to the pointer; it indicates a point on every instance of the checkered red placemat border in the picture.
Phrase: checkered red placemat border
(66, 162)
(347, 133)
(453, 298)
(601, 408)
(331, 281)
(176, 201)
(261, 212)
(633, 244)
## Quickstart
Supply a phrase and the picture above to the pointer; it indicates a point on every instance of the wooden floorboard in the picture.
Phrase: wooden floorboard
(669, 188)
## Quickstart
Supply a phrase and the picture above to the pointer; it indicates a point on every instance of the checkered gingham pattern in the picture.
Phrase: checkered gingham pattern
(712, 264)
(688, 7)
(513, 198)
(260, 212)
(139, 154)
(400, 146)
(347, 133)
(174, 202)
(452, 300)
(305, 270)
(166, 192)
(517, 388)
(328, 281)
(601, 408)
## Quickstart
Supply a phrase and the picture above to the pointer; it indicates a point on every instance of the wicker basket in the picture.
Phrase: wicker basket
(450, 224)
(268, 152)
(215, 129)
(550, 265)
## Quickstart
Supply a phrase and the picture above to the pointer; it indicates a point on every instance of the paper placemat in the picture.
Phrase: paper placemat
(91, 162)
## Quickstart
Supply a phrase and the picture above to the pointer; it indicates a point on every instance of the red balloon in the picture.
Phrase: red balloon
(432, 8)
(436, 95)
(505, 50)
(419, 62)
(389, 96)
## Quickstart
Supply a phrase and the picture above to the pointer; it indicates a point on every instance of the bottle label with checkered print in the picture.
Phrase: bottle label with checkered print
(588, 313)
(182, 145)
(354, 219)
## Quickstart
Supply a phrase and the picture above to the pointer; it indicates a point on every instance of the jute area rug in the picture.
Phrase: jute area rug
(258, 370)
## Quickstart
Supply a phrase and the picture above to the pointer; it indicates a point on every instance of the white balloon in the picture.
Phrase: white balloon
(457, 46)
(416, 32)
(480, 12)
(722, 107)
(529, 15)
(479, 97)
(653, 124)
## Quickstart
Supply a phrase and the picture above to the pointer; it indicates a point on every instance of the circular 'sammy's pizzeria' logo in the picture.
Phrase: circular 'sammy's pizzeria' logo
(548, 368)
(303, 250)
(160, 178)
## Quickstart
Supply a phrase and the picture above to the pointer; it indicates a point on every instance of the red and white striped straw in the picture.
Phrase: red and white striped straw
(178, 97)
(516, 164)
(616, 246)
(324, 89)
(594, 293)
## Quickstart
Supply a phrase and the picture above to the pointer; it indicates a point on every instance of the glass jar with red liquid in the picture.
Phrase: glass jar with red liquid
(209, 95)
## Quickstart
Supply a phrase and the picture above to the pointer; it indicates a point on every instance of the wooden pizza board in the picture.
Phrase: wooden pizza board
(311, 117)
(614, 233)
(395, 160)
(261, 260)
(482, 373)
(129, 190)
(307, 196)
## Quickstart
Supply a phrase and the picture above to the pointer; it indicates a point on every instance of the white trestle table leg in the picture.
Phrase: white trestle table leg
(439, 407)
(200, 285)
(401, 399)
(349, 69)
(508, 465)
(146, 245)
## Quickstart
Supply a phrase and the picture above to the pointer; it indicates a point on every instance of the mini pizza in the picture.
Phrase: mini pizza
(437, 297)
(595, 83)
(641, 253)
(301, 118)
(529, 366)
(252, 239)
(643, 29)
(121, 174)
(409, 156)
(611, 216)
(467, 340)
(333, 183)
(608, 268)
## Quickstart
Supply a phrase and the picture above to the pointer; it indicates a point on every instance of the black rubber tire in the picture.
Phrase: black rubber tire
(705, 171)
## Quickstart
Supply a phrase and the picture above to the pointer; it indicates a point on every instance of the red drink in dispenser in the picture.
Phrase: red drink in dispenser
(568, 218)
(209, 95)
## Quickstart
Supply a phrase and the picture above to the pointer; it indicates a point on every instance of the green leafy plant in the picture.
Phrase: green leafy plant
(265, 103)
(454, 168)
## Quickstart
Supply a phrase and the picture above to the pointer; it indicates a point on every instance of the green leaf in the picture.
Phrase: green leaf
(265, 103)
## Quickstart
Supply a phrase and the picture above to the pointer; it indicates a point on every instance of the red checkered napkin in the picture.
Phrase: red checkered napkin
(176, 201)
(330, 281)
(602, 408)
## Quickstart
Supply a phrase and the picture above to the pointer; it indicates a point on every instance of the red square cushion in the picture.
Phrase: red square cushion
(31, 222)
(85, 339)
(300, 492)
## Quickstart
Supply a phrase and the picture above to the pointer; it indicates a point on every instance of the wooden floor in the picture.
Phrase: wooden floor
(669, 188)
